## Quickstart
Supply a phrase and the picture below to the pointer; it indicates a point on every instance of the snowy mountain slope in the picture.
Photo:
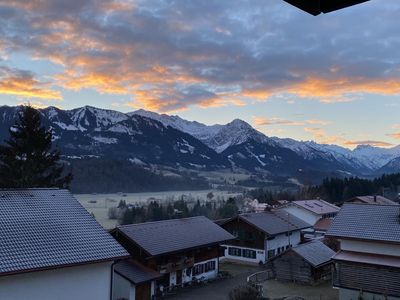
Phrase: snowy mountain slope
(153, 138)
(364, 159)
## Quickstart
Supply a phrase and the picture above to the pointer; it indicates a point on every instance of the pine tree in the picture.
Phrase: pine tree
(27, 159)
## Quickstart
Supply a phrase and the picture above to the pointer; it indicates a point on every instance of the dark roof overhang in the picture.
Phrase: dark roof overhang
(316, 7)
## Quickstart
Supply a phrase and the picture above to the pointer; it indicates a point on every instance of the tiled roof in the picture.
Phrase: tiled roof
(367, 258)
(48, 228)
(317, 206)
(274, 222)
(315, 252)
(373, 200)
(163, 237)
(369, 222)
(135, 272)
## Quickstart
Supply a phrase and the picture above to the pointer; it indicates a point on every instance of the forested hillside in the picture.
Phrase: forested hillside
(111, 176)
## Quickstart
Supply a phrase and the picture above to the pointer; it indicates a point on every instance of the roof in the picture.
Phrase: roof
(274, 222)
(323, 224)
(48, 228)
(367, 222)
(314, 252)
(317, 206)
(373, 200)
(367, 258)
(175, 235)
(317, 7)
(135, 272)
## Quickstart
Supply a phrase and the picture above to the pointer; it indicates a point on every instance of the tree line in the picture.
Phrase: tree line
(155, 211)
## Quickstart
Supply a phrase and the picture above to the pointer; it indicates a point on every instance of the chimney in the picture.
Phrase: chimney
(374, 198)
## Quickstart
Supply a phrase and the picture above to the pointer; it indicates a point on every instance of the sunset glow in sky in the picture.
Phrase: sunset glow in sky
(334, 78)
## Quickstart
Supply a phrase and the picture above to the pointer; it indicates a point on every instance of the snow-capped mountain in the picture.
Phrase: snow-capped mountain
(364, 158)
(218, 137)
(148, 138)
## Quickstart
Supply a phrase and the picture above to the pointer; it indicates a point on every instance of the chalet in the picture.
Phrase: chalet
(368, 263)
(181, 250)
(311, 211)
(376, 199)
(52, 248)
(308, 263)
(261, 236)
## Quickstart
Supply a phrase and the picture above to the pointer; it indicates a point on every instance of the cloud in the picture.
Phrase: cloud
(23, 84)
(321, 136)
(170, 55)
(395, 135)
(261, 121)
(368, 142)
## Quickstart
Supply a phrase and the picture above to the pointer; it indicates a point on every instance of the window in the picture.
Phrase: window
(234, 251)
(249, 253)
(271, 253)
(209, 266)
(198, 269)
(204, 268)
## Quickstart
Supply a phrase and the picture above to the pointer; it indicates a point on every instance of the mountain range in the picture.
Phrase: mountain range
(149, 139)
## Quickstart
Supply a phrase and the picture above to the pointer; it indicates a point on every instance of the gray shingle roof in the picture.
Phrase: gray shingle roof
(48, 228)
(317, 206)
(369, 222)
(274, 222)
(315, 252)
(163, 237)
(135, 272)
(373, 200)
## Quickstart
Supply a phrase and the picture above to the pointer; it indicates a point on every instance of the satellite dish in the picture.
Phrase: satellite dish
(316, 7)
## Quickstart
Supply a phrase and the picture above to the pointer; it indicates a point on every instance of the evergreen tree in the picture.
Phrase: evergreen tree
(27, 160)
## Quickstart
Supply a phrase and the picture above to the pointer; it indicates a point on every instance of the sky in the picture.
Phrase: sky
(334, 78)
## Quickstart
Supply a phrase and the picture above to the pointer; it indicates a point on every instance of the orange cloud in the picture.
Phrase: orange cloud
(334, 90)
(320, 136)
(395, 135)
(27, 88)
(260, 121)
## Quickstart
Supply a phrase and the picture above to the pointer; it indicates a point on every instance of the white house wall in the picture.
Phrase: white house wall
(282, 240)
(370, 247)
(303, 214)
(78, 283)
(206, 276)
(260, 255)
(123, 289)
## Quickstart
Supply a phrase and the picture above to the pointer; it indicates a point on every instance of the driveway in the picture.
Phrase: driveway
(218, 290)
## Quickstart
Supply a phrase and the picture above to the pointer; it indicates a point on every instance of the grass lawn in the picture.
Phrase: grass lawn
(275, 289)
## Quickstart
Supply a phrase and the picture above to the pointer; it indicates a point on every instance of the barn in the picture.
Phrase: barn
(308, 263)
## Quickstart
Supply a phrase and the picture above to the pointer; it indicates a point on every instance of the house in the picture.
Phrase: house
(261, 236)
(252, 205)
(308, 263)
(376, 199)
(133, 280)
(368, 263)
(311, 211)
(52, 248)
(181, 250)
